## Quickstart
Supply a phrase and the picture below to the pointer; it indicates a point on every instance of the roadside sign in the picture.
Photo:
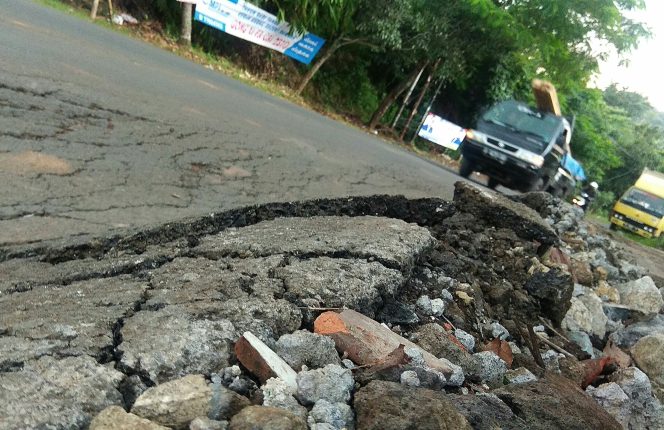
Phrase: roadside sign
(442, 132)
(248, 22)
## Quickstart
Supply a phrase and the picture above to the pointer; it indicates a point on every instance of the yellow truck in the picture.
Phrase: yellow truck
(641, 208)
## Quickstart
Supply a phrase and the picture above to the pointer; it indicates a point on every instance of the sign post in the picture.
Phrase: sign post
(248, 22)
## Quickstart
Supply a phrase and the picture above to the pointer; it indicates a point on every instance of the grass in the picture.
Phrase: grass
(602, 217)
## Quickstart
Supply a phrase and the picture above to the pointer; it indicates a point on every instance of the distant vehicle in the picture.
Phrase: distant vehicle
(641, 208)
(585, 198)
(521, 147)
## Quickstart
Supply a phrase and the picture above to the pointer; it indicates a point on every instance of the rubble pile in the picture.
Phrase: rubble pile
(365, 313)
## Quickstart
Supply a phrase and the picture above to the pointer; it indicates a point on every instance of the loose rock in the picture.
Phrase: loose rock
(337, 415)
(641, 294)
(175, 403)
(308, 349)
(390, 406)
(266, 418)
(202, 423)
(116, 418)
(278, 394)
(332, 383)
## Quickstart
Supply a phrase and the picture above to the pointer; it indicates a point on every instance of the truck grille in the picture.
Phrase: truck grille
(500, 144)
(633, 223)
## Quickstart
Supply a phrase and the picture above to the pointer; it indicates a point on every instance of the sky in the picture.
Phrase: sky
(645, 72)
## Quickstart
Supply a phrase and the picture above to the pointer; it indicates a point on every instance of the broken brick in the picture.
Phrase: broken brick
(367, 342)
(260, 360)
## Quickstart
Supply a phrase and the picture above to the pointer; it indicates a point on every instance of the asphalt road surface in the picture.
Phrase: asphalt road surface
(99, 131)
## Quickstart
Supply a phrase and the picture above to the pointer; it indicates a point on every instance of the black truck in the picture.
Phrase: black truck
(521, 148)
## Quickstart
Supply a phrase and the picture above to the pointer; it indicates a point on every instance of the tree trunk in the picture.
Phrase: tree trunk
(93, 11)
(185, 28)
(391, 97)
(407, 98)
(110, 10)
(334, 46)
(425, 88)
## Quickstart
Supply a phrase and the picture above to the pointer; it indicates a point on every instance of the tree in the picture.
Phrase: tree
(375, 23)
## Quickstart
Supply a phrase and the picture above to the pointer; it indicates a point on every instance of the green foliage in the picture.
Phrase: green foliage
(345, 87)
(603, 202)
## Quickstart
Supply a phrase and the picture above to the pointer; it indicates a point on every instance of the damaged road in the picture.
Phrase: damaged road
(365, 312)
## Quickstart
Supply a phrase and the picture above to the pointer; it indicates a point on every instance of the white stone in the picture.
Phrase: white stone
(410, 378)
(424, 305)
(613, 399)
(641, 294)
(438, 307)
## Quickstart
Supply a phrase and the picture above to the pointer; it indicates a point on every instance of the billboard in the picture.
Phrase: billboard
(248, 22)
(442, 132)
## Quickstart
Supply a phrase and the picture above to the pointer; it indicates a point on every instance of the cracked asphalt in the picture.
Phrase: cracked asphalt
(101, 132)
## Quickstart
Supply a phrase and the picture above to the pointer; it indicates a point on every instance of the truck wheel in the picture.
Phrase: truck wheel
(492, 183)
(466, 168)
(613, 227)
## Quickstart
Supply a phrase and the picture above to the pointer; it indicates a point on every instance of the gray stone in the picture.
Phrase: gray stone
(169, 344)
(338, 415)
(382, 405)
(225, 403)
(116, 418)
(501, 212)
(586, 314)
(398, 244)
(204, 423)
(648, 354)
(446, 295)
(278, 394)
(175, 403)
(438, 307)
(628, 336)
(434, 339)
(266, 418)
(645, 409)
(397, 313)
(613, 399)
(552, 360)
(583, 341)
(520, 375)
(72, 320)
(498, 331)
(332, 383)
(410, 378)
(334, 282)
(641, 294)
(305, 348)
(424, 305)
(492, 368)
(487, 412)
(51, 393)
(466, 339)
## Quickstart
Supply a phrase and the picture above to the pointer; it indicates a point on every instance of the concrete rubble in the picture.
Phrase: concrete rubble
(358, 313)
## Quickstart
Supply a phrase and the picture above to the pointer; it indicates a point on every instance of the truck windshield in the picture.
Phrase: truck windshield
(521, 119)
(644, 201)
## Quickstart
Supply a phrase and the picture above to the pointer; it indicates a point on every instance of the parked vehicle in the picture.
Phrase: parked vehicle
(585, 198)
(641, 208)
(522, 147)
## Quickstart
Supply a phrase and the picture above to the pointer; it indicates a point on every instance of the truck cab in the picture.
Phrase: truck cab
(641, 209)
(519, 147)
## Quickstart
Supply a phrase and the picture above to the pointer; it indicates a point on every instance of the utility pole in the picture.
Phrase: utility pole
(407, 98)
(185, 29)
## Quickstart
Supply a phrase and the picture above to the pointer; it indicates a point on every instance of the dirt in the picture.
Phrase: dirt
(650, 258)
